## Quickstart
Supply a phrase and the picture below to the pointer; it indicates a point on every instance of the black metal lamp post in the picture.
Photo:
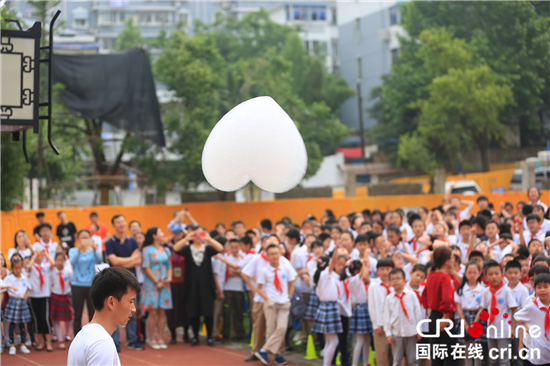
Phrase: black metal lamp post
(20, 90)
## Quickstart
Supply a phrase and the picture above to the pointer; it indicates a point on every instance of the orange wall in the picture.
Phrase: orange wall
(208, 214)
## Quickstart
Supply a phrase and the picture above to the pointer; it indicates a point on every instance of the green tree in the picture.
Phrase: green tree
(235, 60)
(130, 37)
(512, 38)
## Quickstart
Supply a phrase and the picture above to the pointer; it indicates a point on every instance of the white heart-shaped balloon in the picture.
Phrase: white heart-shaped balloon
(255, 141)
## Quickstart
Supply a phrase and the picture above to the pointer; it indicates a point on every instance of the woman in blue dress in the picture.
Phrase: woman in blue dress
(157, 296)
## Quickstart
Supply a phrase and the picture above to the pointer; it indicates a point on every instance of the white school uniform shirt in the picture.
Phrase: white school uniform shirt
(452, 239)
(505, 301)
(410, 233)
(464, 249)
(358, 290)
(424, 327)
(311, 269)
(423, 256)
(301, 263)
(218, 267)
(255, 266)
(395, 320)
(21, 284)
(93, 346)
(266, 278)
(463, 215)
(327, 287)
(520, 293)
(344, 298)
(376, 298)
(247, 258)
(56, 283)
(533, 315)
(470, 298)
(529, 299)
(24, 253)
(51, 246)
(540, 235)
(34, 280)
(234, 283)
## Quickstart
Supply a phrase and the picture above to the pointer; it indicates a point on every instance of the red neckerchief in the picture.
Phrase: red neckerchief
(546, 317)
(264, 257)
(400, 297)
(494, 301)
(533, 236)
(39, 269)
(251, 251)
(277, 282)
(526, 280)
(485, 282)
(417, 294)
(308, 258)
(366, 287)
(346, 289)
(62, 283)
(424, 282)
(421, 250)
(413, 242)
(386, 286)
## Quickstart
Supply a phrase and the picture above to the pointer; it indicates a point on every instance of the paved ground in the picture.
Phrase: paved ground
(179, 354)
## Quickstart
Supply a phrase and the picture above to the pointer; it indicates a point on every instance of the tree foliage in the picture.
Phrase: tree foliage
(498, 51)
(232, 61)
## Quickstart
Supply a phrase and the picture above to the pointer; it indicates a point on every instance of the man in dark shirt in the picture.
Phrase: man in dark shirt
(66, 231)
(123, 251)
(41, 219)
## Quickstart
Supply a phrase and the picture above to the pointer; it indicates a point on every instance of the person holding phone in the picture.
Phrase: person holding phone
(177, 222)
(198, 248)
(83, 258)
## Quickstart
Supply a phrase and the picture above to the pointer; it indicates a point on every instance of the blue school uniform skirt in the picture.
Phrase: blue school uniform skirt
(327, 319)
(312, 306)
(360, 320)
(470, 316)
(17, 311)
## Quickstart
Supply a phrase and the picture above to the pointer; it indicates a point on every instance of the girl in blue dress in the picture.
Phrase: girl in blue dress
(157, 296)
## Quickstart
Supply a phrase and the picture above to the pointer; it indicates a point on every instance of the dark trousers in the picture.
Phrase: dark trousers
(81, 295)
(233, 313)
(41, 315)
(343, 348)
(21, 332)
(196, 323)
(443, 339)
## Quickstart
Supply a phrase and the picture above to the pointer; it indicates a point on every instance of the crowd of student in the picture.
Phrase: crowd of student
(383, 279)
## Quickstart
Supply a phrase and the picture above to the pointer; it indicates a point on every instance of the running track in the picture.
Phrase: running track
(179, 354)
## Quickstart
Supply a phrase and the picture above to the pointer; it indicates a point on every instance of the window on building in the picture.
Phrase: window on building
(183, 19)
(107, 17)
(300, 13)
(319, 47)
(121, 17)
(108, 43)
(162, 18)
(395, 17)
(146, 18)
(395, 54)
(80, 23)
(357, 30)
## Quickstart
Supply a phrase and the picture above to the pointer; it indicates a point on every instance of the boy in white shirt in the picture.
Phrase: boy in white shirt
(533, 314)
(513, 273)
(233, 293)
(276, 287)
(113, 295)
(402, 313)
(524, 237)
(379, 289)
(46, 241)
(464, 229)
(498, 296)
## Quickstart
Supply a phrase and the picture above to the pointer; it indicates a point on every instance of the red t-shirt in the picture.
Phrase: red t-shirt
(102, 232)
(438, 294)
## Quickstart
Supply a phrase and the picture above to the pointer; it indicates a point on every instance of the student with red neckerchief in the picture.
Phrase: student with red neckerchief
(536, 313)
(438, 299)
(379, 289)
(499, 302)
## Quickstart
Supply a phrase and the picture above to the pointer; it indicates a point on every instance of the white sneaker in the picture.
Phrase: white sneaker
(24, 350)
(162, 345)
(12, 351)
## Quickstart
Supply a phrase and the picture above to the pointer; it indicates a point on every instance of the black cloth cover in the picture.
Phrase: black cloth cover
(115, 88)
